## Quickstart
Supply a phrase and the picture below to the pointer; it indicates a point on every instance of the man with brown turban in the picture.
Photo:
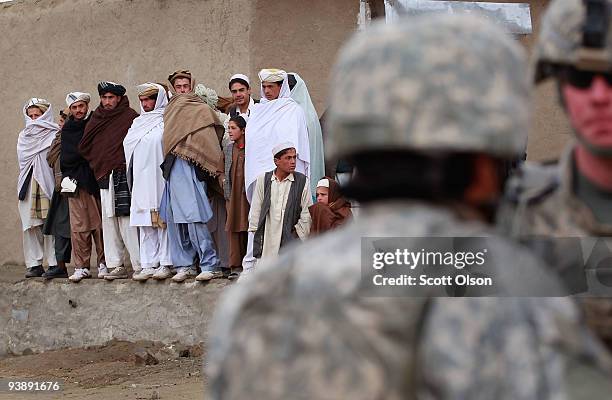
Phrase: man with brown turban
(193, 160)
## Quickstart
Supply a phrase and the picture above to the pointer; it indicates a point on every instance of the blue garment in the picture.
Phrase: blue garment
(186, 209)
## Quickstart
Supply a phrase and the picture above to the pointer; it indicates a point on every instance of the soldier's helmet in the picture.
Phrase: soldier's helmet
(443, 83)
(574, 33)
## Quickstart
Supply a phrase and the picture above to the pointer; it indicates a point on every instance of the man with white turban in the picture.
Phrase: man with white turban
(35, 184)
(276, 119)
(143, 155)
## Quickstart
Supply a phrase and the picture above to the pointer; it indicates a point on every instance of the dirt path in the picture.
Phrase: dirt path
(110, 373)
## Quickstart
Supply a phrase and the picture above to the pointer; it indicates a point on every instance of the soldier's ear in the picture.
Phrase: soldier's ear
(485, 186)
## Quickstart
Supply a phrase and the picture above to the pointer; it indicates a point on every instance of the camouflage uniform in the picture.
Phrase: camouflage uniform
(304, 325)
(542, 199)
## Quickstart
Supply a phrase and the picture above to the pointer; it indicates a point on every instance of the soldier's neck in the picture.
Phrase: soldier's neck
(595, 168)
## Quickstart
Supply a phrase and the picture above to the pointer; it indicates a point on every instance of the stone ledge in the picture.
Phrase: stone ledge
(38, 315)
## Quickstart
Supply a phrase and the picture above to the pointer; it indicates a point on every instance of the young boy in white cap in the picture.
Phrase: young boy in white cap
(279, 207)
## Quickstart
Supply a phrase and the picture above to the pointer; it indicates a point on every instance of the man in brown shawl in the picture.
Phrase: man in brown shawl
(192, 161)
(102, 146)
(331, 209)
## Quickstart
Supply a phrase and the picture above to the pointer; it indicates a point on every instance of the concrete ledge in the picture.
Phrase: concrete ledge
(39, 315)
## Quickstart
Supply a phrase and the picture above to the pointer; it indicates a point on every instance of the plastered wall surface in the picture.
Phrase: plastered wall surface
(550, 129)
(52, 47)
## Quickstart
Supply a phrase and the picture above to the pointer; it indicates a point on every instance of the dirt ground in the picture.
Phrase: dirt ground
(111, 372)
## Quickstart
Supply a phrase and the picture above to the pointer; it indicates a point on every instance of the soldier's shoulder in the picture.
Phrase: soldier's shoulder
(533, 183)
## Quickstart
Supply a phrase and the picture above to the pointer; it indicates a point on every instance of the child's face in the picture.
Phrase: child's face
(322, 195)
(235, 133)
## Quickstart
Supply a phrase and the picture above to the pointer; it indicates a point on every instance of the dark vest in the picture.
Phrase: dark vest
(293, 209)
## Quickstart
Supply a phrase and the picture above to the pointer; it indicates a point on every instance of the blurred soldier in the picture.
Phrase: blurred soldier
(443, 100)
(572, 199)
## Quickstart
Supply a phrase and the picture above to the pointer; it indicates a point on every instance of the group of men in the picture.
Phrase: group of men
(149, 188)
(430, 110)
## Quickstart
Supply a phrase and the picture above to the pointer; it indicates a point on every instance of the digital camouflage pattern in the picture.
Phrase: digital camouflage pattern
(547, 206)
(305, 327)
(561, 36)
(418, 87)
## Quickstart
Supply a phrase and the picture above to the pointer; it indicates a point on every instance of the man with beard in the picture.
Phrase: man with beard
(192, 161)
(144, 155)
(79, 184)
(102, 146)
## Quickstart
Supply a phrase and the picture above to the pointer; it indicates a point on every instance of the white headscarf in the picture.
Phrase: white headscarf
(300, 94)
(273, 122)
(143, 153)
(33, 145)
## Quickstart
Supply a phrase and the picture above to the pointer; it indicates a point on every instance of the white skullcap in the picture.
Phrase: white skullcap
(241, 77)
(323, 183)
(272, 75)
(282, 146)
(77, 96)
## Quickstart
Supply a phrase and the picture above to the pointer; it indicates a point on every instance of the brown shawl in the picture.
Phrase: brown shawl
(193, 132)
(102, 143)
(53, 158)
(329, 216)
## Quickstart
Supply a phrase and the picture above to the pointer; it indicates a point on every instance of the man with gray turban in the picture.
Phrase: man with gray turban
(442, 99)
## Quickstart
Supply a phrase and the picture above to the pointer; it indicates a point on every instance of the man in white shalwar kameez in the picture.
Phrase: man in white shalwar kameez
(276, 119)
(36, 183)
(144, 155)
(279, 207)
